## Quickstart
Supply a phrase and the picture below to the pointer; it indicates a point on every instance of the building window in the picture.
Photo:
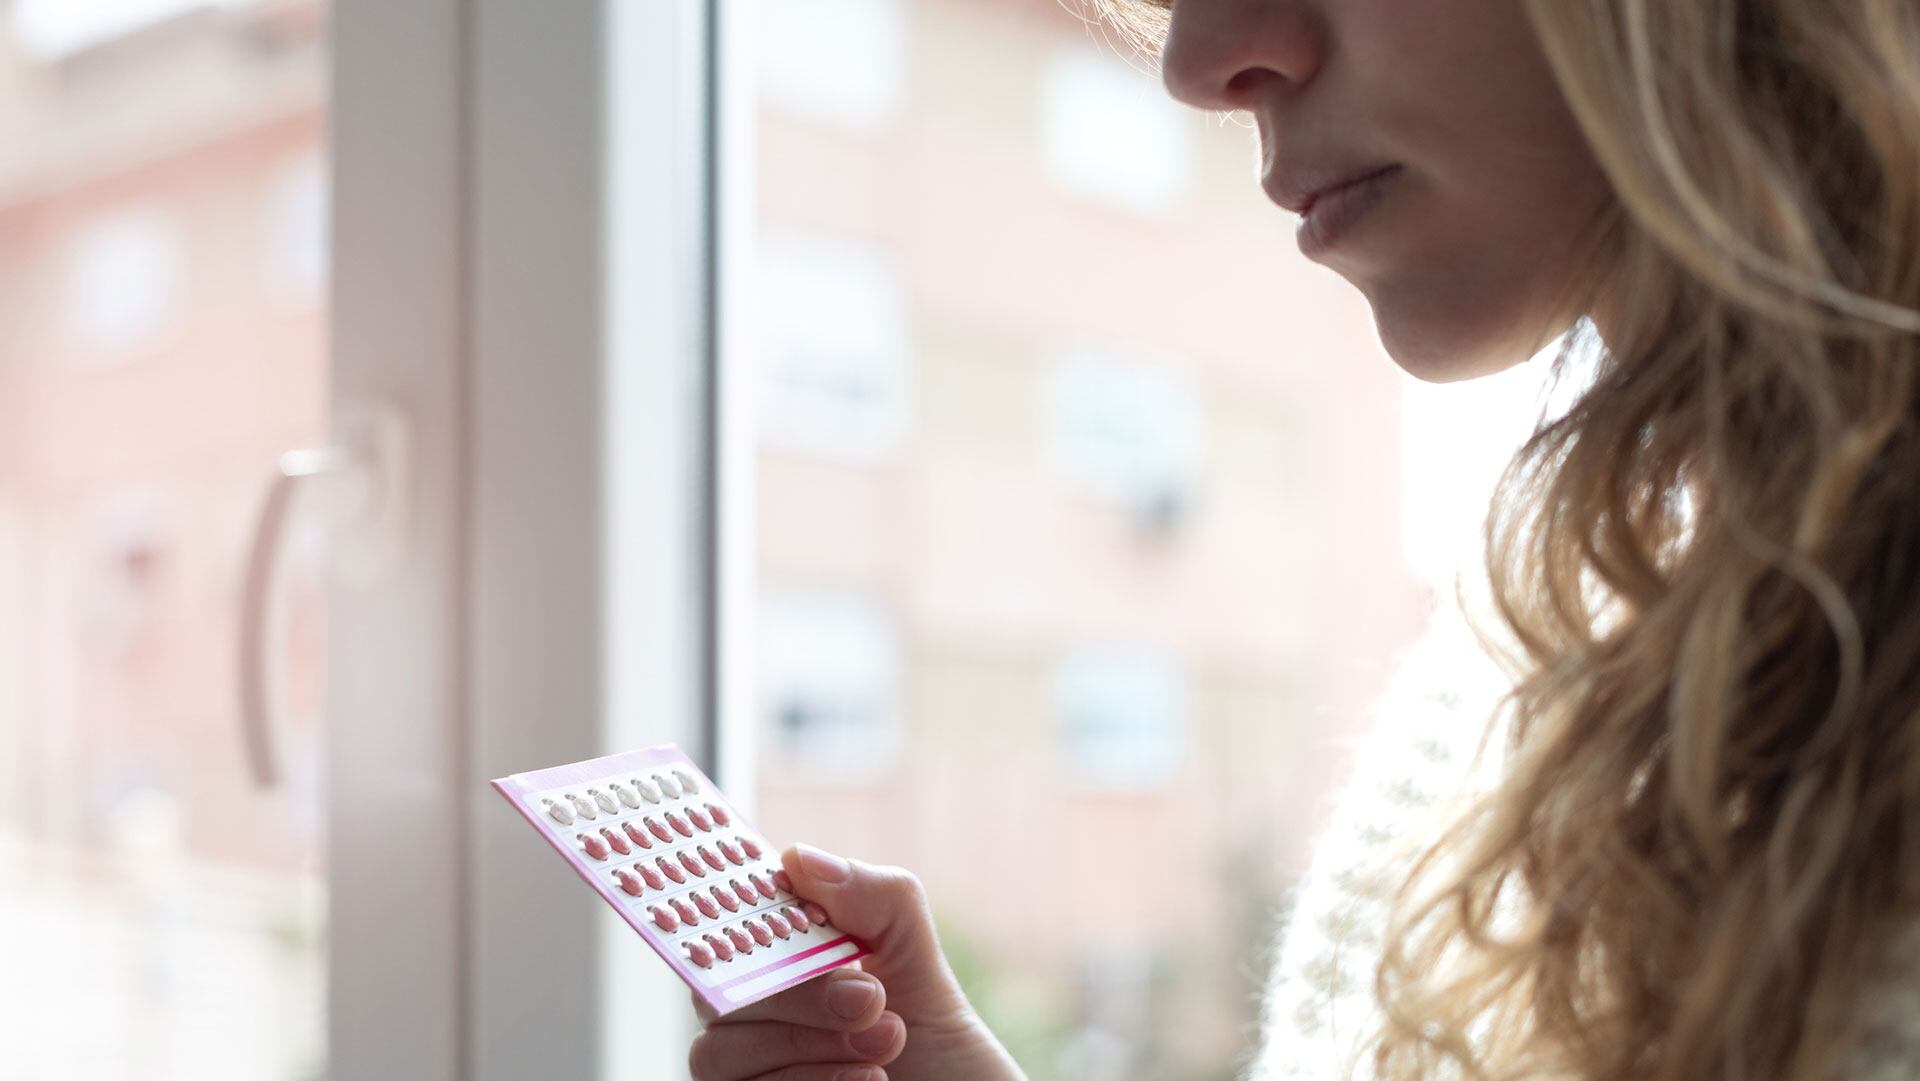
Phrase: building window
(1113, 986)
(829, 670)
(126, 537)
(125, 276)
(834, 344)
(55, 28)
(838, 62)
(1127, 429)
(1108, 133)
(1122, 714)
(296, 230)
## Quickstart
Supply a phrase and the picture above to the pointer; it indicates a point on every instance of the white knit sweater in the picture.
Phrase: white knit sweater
(1318, 1009)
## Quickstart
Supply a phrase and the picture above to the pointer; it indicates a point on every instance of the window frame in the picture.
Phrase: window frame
(524, 238)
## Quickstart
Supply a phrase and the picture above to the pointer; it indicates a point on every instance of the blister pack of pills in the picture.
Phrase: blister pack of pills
(654, 837)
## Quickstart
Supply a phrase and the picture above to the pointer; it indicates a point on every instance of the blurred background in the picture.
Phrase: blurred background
(1087, 521)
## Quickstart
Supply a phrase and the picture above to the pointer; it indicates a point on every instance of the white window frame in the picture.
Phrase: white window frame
(523, 244)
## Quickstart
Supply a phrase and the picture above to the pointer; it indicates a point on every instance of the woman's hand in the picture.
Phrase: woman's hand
(900, 1017)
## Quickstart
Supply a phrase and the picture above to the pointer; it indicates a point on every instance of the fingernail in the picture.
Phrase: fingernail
(824, 866)
(850, 998)
(858, 1073)
(873, 1040)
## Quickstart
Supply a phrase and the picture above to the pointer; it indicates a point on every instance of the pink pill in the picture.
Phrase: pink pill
(713, 858)
(595, 846)
(727, 900)
(699, 819)
(654, 879)
(663, 918)
(679, 825)
(706, 906)
(638, 836)
(746, 892)
(659, 828)
(751, 848)
(685, 911)
(776, 924)
(761, 883)
(732, 852)
(719, 813)
(781, 881)
(740, 941)
(618, 842)
(797, 918)
(628, 882)
(671, 870)
(692, 865)
(720, 948)
(700, 954)
(759, 933)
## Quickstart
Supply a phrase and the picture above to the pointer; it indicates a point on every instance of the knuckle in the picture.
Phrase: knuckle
(795, 1038)
(904, 887)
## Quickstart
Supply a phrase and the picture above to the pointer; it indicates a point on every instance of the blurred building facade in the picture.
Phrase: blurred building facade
(1079, 538)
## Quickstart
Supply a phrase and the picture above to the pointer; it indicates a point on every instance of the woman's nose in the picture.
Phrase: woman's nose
(1228, 54)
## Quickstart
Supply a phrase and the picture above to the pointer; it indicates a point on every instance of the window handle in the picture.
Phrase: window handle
(357, 490)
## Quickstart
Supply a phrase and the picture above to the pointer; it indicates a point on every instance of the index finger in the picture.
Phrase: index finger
(845, 999)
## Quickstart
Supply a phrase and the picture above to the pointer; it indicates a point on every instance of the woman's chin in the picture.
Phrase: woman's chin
(1453, 350)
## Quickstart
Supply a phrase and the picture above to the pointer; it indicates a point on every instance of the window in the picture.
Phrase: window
(837, 62)
(295, 230)
(830, 681)
(55, 28)
(1108, 132)
(1126, 429)
(124, 276)
(834, 345)
(127, 540)
(1116, 984)
(1122, 716)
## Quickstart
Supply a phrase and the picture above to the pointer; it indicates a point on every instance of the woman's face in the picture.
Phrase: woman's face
(1462, 247)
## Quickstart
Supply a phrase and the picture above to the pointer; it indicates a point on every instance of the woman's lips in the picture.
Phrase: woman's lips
(1331, 213)
(1295, 188)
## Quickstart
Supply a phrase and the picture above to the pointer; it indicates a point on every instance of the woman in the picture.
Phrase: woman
(1696, 859)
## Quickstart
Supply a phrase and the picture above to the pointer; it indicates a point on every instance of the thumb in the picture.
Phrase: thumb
(885, 907)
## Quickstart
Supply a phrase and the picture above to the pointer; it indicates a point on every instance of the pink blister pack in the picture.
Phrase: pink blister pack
(659, 842)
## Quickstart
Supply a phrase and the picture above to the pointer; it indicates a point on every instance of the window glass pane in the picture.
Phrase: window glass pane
(839, 63)
(831, 682)
(1084, 532)
(1107, 130)
(124, 269)
(834, 343)
(162, 340)
(1124, 429)
(1122, 718)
